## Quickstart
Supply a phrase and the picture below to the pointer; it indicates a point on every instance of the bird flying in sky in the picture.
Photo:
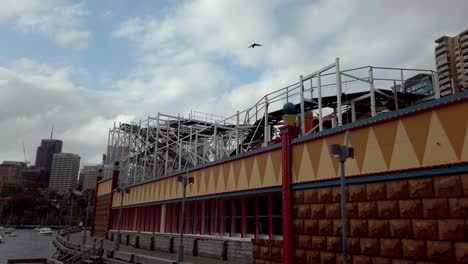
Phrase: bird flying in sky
(255, 45)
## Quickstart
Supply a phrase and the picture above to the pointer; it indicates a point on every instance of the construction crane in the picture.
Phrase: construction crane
(24, 153)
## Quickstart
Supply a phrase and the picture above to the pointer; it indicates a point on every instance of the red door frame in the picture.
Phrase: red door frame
(202, 216)
(270, 216)
(256, 217)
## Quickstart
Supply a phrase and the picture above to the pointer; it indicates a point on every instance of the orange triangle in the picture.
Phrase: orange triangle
(454, 120)
(417, 128)
(296, 158)
(314, 148)
(206, 175)
(386, 135)
(358, 139)
(215, 171)
(225, 174)
(237, 166)
(197, 182)
(262, 161)
(336, 139)
(248, 165)
(276, 159)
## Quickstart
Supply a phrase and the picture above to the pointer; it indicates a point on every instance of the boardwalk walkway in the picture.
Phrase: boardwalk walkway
(77, 238)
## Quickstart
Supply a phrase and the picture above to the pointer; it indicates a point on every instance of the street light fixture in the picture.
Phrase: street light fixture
(186, 180)
(343, 153)
(122, 190)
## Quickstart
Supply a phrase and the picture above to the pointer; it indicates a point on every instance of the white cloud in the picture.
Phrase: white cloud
(53, 18)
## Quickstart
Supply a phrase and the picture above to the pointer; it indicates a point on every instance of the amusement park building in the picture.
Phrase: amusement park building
(407, 189)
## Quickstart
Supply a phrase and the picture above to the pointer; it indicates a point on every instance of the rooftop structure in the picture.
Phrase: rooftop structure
(328, 98)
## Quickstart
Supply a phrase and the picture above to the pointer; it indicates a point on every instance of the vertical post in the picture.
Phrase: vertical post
(301, 80)
(115, 180)
(156, 146)
(88, 203)
(145, 145)
(372, 91)
(237, 134)
(180, 255)
(353, 111)
(215, 138)
(287, 132)
(93, 216)
(395, 95)
(402, 80)
(119, 223)
(266, 131)
(338, 92)
(435, 85)
(256, 217)
(167, 150)
(344, 225)
(319, 83)
(180, 143)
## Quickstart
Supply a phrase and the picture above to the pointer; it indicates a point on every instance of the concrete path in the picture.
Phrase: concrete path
(77, 238)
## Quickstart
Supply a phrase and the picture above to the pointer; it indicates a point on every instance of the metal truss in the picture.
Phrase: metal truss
(160, 145)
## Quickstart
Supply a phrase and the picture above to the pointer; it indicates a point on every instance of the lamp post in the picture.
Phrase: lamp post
(343, 153)
(87, 215)
(185, 180)
(122, 191)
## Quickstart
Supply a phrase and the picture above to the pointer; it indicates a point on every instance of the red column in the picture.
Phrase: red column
(115, 180)
(93, 216)
(287, 132)
(232, 223)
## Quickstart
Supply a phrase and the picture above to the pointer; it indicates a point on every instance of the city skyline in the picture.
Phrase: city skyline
(84, 87)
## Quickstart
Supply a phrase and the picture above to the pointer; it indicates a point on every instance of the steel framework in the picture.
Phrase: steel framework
(160, 145)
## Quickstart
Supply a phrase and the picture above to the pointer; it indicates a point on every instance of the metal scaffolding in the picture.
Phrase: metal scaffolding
(160, 145)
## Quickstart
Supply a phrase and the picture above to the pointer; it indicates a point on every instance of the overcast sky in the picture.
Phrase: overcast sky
(84, 64)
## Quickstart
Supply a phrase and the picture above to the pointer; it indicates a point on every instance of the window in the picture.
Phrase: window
(227, 215)
(207, 219)
(263, 215)
(277, 214)
(189, 217)
(196, 217)
(237, 203)
(250, 215)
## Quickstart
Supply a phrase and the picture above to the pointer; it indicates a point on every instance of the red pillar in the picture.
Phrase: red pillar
(115, 180)
(270, 216)
(287, 132)
(220, 217)
(93, 216)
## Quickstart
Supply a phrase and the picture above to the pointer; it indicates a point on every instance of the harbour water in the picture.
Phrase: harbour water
(27, 244)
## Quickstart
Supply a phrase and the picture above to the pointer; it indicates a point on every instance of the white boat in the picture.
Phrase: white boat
(9, 231)
(45, 231)
(13, 234)
(1, 239)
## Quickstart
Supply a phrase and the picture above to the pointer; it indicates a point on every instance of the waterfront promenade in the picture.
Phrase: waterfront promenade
(77, 239)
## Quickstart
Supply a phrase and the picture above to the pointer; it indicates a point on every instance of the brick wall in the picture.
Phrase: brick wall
(267, 251)
(401, 221)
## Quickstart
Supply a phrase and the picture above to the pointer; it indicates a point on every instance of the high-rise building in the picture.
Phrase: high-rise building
(451, 55)
(44, 157)
(90, 177)
(81, 180)
(64, 172)
(11, 171)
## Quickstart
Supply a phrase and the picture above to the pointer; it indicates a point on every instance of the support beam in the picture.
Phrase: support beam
(372, 92)
(338, 92)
